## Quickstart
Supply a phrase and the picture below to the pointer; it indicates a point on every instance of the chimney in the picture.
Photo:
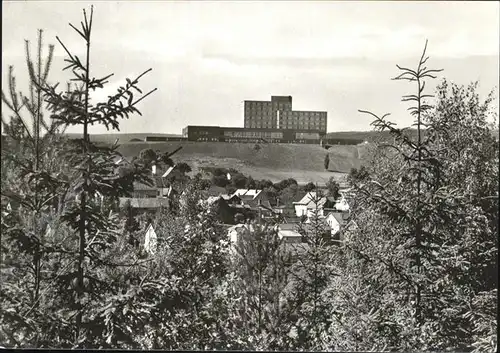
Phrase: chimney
(153, 169)
(277, 202)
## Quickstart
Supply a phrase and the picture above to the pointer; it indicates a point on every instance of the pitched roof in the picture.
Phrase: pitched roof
(299, 196)
(293, 219)
(266, 204)
(289, 234)
(158, 182)
(168, 171)
(213, 199)
(150, 239)
(247, 193)
(240, 206)
(309, 200)
(342, 205)
(141, 186)
(120, 160)
(288, 226)
(339, 216)
(214, 191)
(153, 202)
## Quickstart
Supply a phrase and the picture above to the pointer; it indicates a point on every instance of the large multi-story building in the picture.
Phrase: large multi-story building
(240, 134)
(278, 114)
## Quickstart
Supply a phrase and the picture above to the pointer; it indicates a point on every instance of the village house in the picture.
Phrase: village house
(284, 209)
(312, 202)
(252, 197)
(150, 240)
(309, 204)
(248, 202)
(336, 221)
(213, 190)
(288, 232)
(145, 204)
(150, 198)
(224, 210)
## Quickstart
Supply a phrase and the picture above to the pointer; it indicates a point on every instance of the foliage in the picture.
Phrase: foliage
(70, 312)
(310, 276)
(358, 175)
(417, 269)
(183, 167)
(34, 191)
(309, 187)
(422, 245)
(260, 279)
(333, 188)
(285, 183)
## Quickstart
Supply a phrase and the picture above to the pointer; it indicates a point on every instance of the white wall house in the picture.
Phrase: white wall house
(308, 205)
(334, 221)
(236, 233)
(342, 205)
(150, 240)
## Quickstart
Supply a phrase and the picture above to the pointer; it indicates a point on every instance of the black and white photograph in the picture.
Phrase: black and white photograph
(250, 175)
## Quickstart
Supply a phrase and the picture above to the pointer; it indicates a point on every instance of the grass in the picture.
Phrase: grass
(304, 163)
(275, 162)
(370, 136)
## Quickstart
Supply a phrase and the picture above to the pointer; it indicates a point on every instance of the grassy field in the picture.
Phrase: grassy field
(125, 138)
(370, 136)
(275, 162)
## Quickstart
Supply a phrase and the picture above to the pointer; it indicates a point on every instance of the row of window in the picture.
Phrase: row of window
(257, 103)
(285, 117)
(249, 134)
(260, 118)
(287, 121)
(307, 135)
(285, 112)
(251, 140)
(283, 124)
(301, 122)
(306, 126)
(293, 114)
(211, 139)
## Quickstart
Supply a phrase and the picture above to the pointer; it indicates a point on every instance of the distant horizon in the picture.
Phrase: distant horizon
(208, 57)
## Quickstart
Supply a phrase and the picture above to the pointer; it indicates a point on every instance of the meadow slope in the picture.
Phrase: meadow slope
(272, 161)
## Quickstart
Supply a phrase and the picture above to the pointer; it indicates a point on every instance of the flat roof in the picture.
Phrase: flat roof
(307, 111)
(253, 129)
(282, 97)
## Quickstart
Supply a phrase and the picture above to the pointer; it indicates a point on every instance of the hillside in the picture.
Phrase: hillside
(123, 138)
(370, 136)
(273, 161)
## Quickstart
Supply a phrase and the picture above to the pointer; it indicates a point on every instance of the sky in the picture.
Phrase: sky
(209, 56)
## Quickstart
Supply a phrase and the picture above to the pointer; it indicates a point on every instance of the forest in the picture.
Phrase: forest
(417, 269)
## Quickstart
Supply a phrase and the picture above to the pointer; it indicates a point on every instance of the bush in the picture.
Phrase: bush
(309, 187)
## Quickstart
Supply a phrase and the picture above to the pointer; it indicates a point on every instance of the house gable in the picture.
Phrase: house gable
(150, 240)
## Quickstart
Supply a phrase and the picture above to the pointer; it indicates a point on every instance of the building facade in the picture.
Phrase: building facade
(278, 114)
(256, 135)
